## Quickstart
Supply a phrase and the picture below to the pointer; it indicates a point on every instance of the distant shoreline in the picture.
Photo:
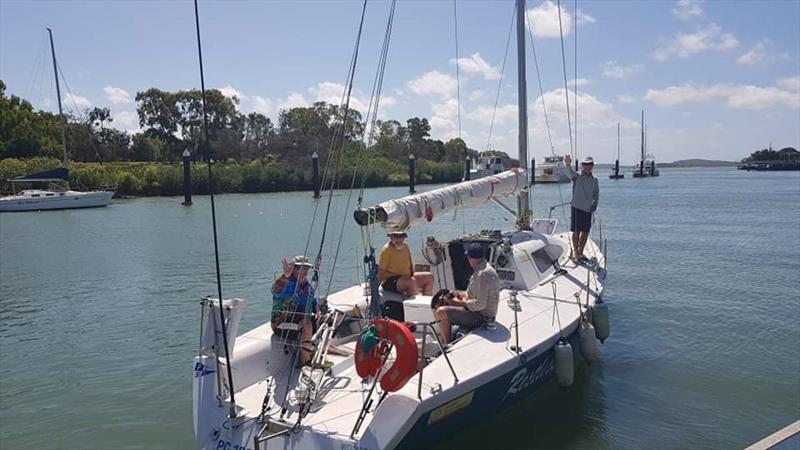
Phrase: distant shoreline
(682, 163)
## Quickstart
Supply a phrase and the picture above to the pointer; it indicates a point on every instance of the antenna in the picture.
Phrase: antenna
(209, 163)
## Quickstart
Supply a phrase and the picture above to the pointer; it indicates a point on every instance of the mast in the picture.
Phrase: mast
(641, 163)
(522, 106)
(617, 141)
(58, 95)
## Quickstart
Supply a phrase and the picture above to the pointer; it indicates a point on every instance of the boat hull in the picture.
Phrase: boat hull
(435, 421)
(542, 179)
(490, 398)
(58, 200)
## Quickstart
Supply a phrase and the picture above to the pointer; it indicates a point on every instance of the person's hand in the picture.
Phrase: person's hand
(287, 268)
(568, 159)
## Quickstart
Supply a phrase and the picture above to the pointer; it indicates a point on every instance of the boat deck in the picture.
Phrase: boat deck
(481, 355)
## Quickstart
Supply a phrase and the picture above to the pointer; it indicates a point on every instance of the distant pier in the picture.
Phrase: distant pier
(770, 165)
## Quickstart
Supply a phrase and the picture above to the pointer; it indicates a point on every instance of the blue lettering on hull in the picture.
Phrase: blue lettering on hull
(489, 399)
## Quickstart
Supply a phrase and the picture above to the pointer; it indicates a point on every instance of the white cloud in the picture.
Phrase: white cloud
(613, 70)
(584, 18)
(581, 82)
(735, 96)
(688, 9)
(76, 101)
(294, 100)
(504, 113)
(757, 97)
(261, 105)
(475, 95)
(117, 95)
(444, 119)
(706, 38)
(127, 121)
(433, 83)
(543, 20)
(760, 54)
(592, 112)
(627, 99)
(477, 65)
(790, 84)
(332, 93)
(231, 92)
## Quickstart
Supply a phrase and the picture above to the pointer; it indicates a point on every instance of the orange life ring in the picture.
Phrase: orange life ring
(406, 355)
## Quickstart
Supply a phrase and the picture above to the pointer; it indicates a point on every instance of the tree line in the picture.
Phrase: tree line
(768, 154)
(172, 122)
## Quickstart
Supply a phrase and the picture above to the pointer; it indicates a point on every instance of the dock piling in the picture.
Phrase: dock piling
(187, 178)
(315, 173)
(412, 166)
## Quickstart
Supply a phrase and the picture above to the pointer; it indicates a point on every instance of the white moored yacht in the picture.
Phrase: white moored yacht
(408, 390)
(37, 199)
(551, 171)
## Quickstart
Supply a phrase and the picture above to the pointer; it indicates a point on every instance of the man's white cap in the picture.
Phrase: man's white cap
(587, 160)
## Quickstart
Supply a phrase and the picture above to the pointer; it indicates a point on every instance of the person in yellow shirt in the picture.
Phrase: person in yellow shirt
(396, 270)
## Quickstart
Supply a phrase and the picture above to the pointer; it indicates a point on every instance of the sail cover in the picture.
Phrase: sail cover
(405, 212)
(60, 174)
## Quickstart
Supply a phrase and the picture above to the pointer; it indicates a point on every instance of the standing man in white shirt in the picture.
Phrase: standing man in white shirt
(585, 195)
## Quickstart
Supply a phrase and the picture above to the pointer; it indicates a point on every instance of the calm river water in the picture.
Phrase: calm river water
(99, 313)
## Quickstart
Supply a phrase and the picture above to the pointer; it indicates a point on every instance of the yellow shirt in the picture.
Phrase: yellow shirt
(395, 262)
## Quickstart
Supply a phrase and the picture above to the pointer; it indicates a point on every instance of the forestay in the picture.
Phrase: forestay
(403, 213)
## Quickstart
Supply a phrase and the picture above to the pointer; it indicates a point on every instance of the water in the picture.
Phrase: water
(99, 313)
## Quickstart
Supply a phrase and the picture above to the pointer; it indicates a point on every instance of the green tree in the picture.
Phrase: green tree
(258, 131)
(455, 150)
(418, 130)
(159, 116)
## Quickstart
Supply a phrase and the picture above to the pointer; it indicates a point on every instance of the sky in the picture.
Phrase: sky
(717, 79)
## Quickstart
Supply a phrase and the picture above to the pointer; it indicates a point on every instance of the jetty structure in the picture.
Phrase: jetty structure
(379, 376)
(787, 438)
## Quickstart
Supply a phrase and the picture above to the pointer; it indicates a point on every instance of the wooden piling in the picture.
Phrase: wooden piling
(412, 175)
(315, 173)
(187, 178)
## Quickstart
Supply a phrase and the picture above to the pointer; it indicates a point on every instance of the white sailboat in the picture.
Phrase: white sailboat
(646, 167)
(247, 393)
(65, 198)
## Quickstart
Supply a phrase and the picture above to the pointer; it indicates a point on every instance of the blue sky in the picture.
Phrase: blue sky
(717, 79)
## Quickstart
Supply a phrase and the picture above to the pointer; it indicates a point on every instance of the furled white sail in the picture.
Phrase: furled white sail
(405, 212)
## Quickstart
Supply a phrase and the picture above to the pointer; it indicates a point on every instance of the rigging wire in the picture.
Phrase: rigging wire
(544, 110)
(330, 163)
(210, 162)
(35, 71)
(376, 93)
(340, 136)
(566, 87)
(330, 176)
(500, 82)
(541, 90)
(458, 78)
(79, 113)
(575, 99)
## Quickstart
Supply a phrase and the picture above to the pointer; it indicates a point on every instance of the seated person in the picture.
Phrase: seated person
(293, 301)
(474, 307)
(396, 270)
